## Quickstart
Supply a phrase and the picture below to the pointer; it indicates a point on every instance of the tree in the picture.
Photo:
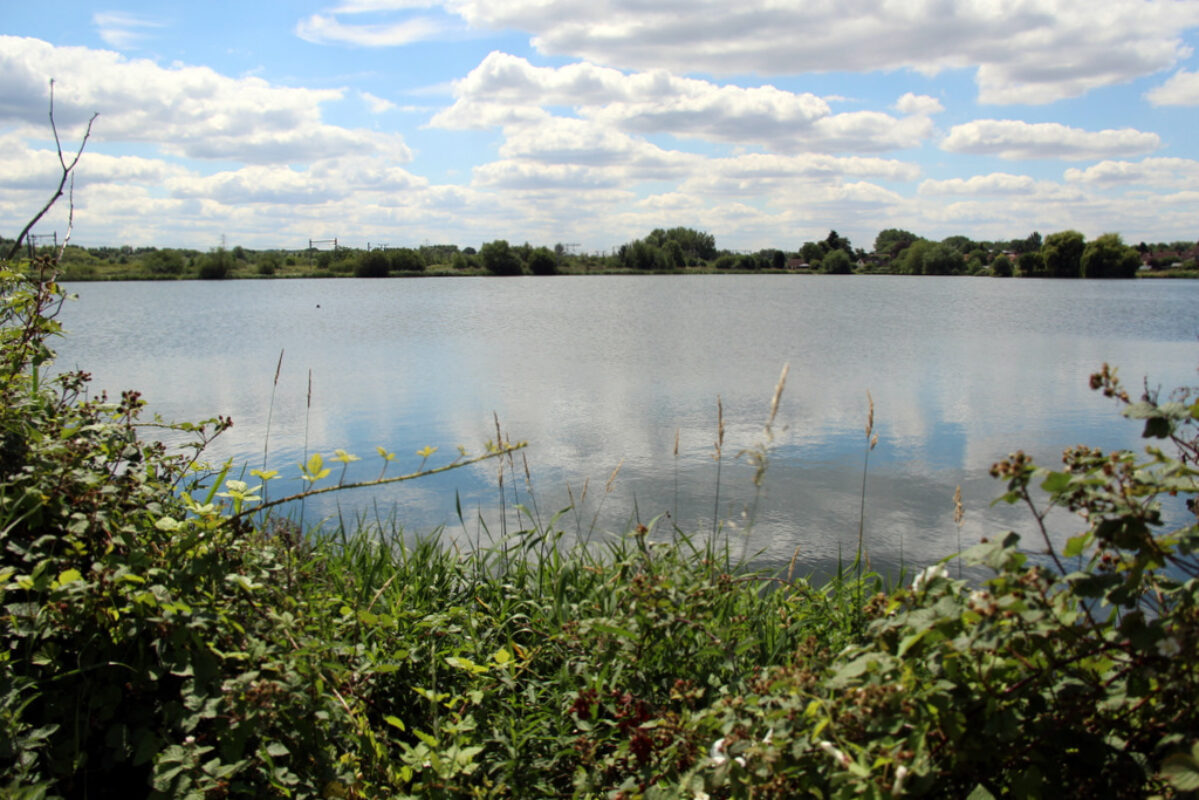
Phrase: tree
(834, 241)
(542, 262)
(405, 259)
(1109, 257)
(1001, 267)
(911, 261)
(811, 252)
(216, 265)
(893, 241)
(942, 259)
(498, 258)
(164, 262)
(372, 264)
(675, 257)
(1062, 252)
(963, 244)
(1026, 245)
(643, 255)
(1031, 265)
(836, 263)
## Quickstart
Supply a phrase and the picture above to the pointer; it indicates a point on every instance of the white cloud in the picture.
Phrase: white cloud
(1025, 51)
(1014, 139)
(377, 105)
(921, 104)
(122, 30)
(323, 182)
(188, 111)
(524, 175)
(40, 170)
(323, 29)
(1182, 89)
(997, 183)
(507, 90)
(1149, 171)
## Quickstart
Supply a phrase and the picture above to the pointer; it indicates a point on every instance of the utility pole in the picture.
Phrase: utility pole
(32, 239)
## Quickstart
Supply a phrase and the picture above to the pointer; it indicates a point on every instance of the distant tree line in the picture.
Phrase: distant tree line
(1064, 254)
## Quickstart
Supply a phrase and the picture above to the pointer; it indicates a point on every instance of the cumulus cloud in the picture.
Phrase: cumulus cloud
(1014, 139)
(918, 104)
(997, 183)
(1149, 172)
(1024, 51)
(38, 170)
(507, 90)
(187, 111)
(1182, 89)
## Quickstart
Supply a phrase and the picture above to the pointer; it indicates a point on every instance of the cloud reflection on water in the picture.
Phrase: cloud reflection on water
(596, 372)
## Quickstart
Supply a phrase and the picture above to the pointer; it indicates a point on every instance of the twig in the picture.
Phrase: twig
(66, 173)
(504, 450)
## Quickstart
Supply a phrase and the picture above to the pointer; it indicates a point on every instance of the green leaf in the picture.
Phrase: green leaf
(277, 750)
(980, 792)
(1182, 771)
(1056, 482)
(394, 722)
(1075, 545)
(69, 576)
(1141, 410)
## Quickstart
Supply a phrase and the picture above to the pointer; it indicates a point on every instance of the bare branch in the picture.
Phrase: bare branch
(67, 170)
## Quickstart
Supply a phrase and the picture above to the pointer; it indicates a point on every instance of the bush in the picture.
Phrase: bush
(498, 258)
(372, 264)
(1108, 257)
(542, 262)
(405, 259)
(216, 266)
(836, 263)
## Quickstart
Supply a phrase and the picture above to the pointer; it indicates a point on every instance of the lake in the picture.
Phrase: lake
(601, 372)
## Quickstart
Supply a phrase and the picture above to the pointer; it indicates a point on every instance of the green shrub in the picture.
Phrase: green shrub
(216, 265)
(372, 264)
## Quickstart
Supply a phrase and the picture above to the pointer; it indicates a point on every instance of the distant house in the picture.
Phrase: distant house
(1168, 259)
(798, 263)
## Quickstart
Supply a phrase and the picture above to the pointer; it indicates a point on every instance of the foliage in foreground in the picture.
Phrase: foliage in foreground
(154, 642)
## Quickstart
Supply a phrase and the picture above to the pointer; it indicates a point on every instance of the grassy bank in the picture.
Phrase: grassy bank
(165, 635)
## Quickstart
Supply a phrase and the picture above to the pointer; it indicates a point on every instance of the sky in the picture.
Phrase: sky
(589, 123)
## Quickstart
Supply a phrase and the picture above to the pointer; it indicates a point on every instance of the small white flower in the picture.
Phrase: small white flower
(901, 775)
(979, 596)
(700, 794)
(929, 574)
(1169, 647)
(719, 756)
(838, 756)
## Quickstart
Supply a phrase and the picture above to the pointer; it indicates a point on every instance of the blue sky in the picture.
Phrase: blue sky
(764, 122)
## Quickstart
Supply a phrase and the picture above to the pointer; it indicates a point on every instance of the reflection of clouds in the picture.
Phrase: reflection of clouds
(598, 371)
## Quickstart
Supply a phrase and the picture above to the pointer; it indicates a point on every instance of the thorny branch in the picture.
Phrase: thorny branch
(67, 173)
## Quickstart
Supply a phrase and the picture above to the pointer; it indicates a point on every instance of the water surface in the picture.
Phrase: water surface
(596, 372)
